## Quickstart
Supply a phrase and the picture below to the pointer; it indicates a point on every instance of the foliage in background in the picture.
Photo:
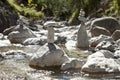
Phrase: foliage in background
(66, 9)
(26, 10)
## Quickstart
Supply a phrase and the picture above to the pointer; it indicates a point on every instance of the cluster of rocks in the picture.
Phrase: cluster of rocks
(104, 40)
(104, 43)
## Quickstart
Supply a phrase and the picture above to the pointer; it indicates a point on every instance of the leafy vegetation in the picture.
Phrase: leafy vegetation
(66, 9)
(26, 10)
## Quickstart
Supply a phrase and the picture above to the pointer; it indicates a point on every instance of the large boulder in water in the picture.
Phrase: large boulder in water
(108, 23)
(19, 34)
(49, 55)
(101, 62)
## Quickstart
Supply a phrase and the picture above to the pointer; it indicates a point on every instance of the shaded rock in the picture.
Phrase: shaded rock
(34, 41)
(48, 55)
(106, 45)
(96, 31)
(109, 23)
(20, 33)
(101, 62)
(96, 40)
(116, 35)
(72, 64)
(7, 17)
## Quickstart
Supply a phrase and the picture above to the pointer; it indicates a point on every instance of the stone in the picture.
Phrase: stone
(116, 35)
(72, 64)
(48, 55)
(109, 23)
(118, 42)
(96, 31)
(106, 45)
(117, 54)
(1, 36)
(101, 62)
(34, 41)
(82, 37)
(101, 65)
(101, 54)
(4, 43)
(96, 40)
(50, 27)
(20, 33)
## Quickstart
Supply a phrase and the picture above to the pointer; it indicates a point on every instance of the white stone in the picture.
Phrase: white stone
(98, 65)
(35, 41)
(72, 64)
(48, 55)
(4, 43)
(101, 61)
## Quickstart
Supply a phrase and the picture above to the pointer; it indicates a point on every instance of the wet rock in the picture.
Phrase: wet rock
(106, 45)
(72, 64)
(96, 40)
(34, 41)
(101, 62)
(48, 55)
(109, 23)
(116, 35)
(96, 31)
(20, 33)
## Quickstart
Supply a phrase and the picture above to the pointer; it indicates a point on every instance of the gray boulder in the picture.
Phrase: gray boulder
(19, 34)
(96, 31)
(49, 55)
(116, 35)
(108, 23)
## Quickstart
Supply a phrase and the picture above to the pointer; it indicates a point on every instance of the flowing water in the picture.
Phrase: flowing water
(18, 69)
